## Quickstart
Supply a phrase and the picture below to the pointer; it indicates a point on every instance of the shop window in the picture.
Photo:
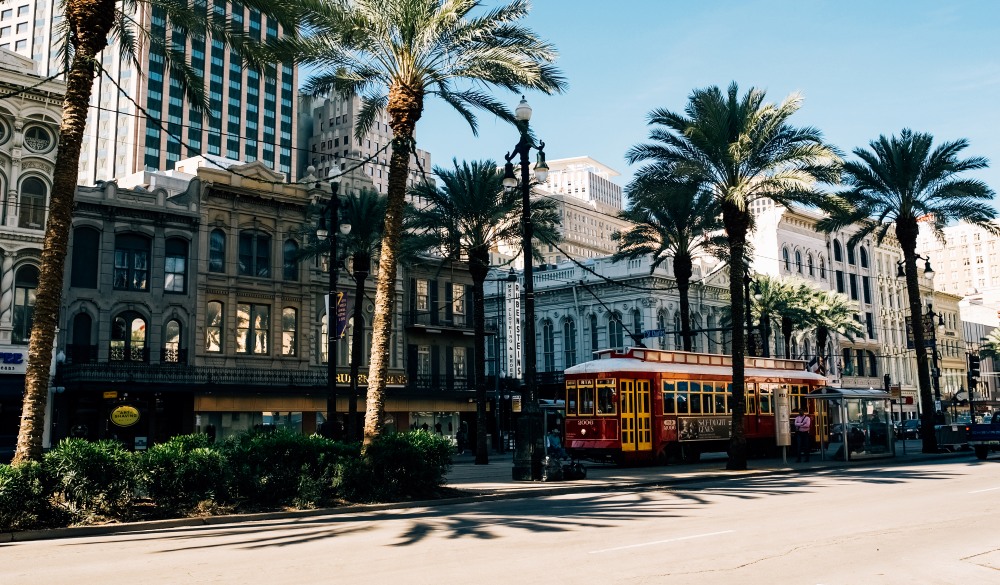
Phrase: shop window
(253, 326)
(172, 342)
(128, 338)
(25, 286)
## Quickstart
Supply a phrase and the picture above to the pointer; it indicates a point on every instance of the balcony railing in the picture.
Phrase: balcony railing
(430, 319)
(442, 383)
(81, 354)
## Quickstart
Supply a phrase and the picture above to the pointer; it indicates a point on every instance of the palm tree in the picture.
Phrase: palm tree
(672, 219)
(89, 27)
(467, 216)
(742, 150)
(395, 54)
(833, 312)
(901, 182)
(990, 347)
(790, 303)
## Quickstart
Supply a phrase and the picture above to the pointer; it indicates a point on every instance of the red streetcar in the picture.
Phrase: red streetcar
(647, 405)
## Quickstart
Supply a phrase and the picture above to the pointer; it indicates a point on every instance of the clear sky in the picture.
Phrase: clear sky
(864, 67)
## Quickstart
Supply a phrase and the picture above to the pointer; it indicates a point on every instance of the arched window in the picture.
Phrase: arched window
(255, 254)
(850, 254)
(32, 204)
(822, 268)
(695, 337)
(128, 338)
(594, 342)
(678, 342)
(710, 346)
(809, 264)
(253, 328)
(289, 329)
(131, 262)
(615, 335)
(838, 252)
(86, 257)
(863, 256)
(175, 266)
(785, 259)
(81, 350)
(798, 262)
(661, 324)
(569, 342)
(324, 340)
(213, 327)
(636, 327)
(25, 285)
(217, 251)
(290, 271)
(172, 342)
(548, 346)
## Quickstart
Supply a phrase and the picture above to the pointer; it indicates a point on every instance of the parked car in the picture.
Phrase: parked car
(909, 429)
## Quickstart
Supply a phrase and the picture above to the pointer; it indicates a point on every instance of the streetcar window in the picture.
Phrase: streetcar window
(750, 399)
(766, 391)
(669, 398)
(694, 404)
(571, 401)
(587, 401)
(729, 393)
(606, 399)
(682, 398)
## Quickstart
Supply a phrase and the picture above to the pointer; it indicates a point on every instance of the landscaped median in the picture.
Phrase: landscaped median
(80, 482)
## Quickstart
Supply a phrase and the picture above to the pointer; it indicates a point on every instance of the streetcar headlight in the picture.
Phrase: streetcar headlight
(583, 431)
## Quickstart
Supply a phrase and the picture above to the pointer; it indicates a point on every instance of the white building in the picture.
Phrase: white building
(967, 263)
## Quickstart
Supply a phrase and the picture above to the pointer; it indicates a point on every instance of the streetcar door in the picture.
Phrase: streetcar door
(643, 407)
(751, 415)
(627, 402)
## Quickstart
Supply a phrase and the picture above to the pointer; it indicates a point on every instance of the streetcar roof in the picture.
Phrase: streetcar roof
(634, 365)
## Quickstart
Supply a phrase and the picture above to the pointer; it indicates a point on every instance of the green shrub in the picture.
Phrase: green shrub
(93, 478)
(397, 466)
(25, 498)
(282, 468)
(182, 474)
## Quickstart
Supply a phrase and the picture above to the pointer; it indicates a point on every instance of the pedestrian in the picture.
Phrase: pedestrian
(460, 439)
(803, 440)
(554, 443)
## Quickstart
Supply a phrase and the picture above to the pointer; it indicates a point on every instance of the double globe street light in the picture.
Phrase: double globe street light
(332, 210)
(529, 448)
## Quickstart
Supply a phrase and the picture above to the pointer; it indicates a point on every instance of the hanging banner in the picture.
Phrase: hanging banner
(341, 312)
(512, 296)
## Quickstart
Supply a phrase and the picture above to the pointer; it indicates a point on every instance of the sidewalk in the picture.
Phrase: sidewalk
(494, 482)
(495, 479)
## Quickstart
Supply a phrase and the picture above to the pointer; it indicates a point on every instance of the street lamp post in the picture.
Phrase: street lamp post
(929, 325)
(529, 448)
(333, 211)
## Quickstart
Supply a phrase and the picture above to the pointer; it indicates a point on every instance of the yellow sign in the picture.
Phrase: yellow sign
(125, 416)
(515, 403)
(110, 395)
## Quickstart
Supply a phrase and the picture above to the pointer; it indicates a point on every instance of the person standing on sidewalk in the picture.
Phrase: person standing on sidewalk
(803, 440)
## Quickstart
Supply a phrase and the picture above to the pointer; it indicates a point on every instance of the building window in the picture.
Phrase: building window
(616, 339)
(424, 363)
(423, 295)
(128, 338)
(850, 254)
(863, 254)
(175, 266)
(290, 272)
(569, 342)
(172, 342)
(636, 327)
(255, 254)
(822, 268)
(459, 363)
(548, 346)
(25, 285)
(594, 344)
(253, 326)
(32, 202)
(785, 260)
(131, 262)
(838, 252)
(853, 278)
(37, 139)
(289, 326)
(217, 251)
(798, 262)
(809, 264)
(213, 327)
(86, 249)
(841, 287)
(458, 304)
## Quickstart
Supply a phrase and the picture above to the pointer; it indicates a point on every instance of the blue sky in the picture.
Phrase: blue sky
(864, 67)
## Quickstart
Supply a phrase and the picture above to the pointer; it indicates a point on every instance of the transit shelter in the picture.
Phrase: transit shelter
(853, 423)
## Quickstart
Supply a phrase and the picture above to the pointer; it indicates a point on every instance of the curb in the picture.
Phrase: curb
(552, 489)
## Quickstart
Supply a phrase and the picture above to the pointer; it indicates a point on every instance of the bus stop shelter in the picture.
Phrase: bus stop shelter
(853, 423)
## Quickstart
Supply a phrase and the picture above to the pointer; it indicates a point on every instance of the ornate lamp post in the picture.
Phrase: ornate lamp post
(332, 210)
(529, 449)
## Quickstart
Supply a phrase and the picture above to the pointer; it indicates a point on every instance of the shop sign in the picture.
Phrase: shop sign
(125, 416)
(700, 428)
(513, 328)
(13, 362)
(110, 395)
(515, 403)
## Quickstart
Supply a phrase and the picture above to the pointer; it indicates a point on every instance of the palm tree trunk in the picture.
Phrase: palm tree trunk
(765, 333)
(786, 333)
(906, 233)
(90, 22)
(737, 223)
(682, 273)
(405, 107)
(822, 337)
(479, 267)
(362, 264)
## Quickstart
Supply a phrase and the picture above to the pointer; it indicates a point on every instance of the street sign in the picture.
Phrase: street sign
(654, 333)
(341, 313)
(515, 403)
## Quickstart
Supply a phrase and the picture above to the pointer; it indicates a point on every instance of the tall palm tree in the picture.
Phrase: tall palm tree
(467, 216)
(897, 184)
(395, 54)
(90, 26)
(990, 347)
(674, 219)
(742, 149)
(789, 302)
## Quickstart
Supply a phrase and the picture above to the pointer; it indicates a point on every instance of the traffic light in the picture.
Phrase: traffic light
(973, 370)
